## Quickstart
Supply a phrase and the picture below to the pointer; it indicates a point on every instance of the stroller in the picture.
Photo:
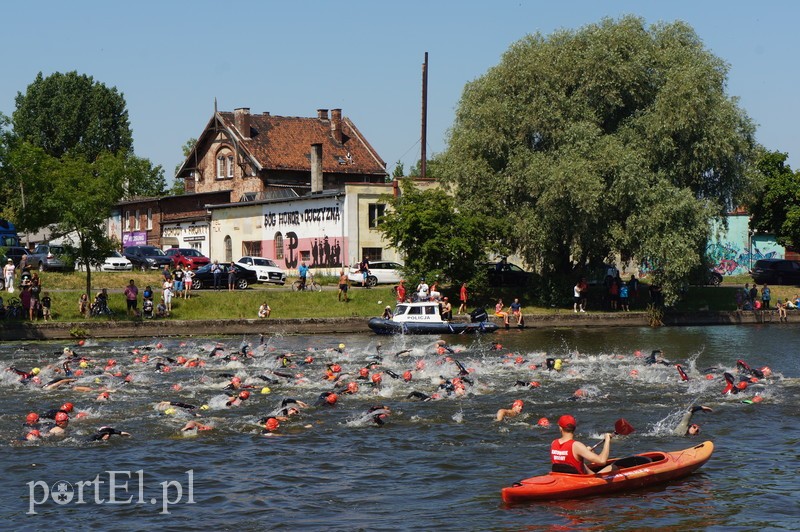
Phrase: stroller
(100, 307)
(147, 308)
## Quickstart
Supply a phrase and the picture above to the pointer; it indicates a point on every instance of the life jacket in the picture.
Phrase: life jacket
(561, 454)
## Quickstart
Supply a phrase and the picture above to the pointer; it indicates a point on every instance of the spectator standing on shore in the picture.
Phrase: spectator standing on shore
(633, 287)
(753, 295)
(765, 297)
(363, 267)
(577, 298)
(216, 271)
(231, 278)
(343, 285)
(46, 304)
(623, 296)
(401, 291)
(8, 274)
(462, 296)
(188, 275)
(36, 290)
(178, 276)
(132, 297)
(166, 273)
(83, 305)
(167, 295)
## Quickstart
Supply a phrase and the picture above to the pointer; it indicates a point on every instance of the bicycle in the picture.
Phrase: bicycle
(311, 285)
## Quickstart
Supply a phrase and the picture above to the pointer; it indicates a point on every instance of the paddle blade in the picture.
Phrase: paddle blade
(623, 428)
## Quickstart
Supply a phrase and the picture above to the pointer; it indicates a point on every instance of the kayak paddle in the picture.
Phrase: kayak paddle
(621, 428)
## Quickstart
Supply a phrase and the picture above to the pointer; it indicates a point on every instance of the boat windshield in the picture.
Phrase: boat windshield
(401, 309)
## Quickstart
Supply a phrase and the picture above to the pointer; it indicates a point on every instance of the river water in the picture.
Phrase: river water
(433, 465)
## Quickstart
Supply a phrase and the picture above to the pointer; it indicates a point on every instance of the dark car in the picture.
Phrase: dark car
(15, 253)
(187, 258)
(776, 271)
(147, 257)
(506, 274)
(203, 278)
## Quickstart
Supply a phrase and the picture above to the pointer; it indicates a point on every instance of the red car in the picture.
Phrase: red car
(187, 258)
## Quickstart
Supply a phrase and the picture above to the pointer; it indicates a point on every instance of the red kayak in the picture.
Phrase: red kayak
(634, 472)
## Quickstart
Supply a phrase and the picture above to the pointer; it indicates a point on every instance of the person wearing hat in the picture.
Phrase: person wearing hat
(570, 456)
(387, 313)
(686, 427)
(8, 274)
(514, 411)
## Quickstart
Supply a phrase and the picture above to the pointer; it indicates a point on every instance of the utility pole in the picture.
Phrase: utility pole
(424, 138)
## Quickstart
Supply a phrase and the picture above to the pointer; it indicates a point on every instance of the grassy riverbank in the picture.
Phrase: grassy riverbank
(65, 289)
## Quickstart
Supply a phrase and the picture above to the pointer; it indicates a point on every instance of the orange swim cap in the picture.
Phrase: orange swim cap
(32, 418)
(407, 376)
(742, 385)
(245, 395)
(709, 377)
(272, 424)
(352, 387)
(331, 398)
(364, 372)
(376, 378)
(61, 417)
(517, 404)
(67, 407)
(543, 422)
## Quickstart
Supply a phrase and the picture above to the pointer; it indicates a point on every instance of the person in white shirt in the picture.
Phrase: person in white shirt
(8, 274)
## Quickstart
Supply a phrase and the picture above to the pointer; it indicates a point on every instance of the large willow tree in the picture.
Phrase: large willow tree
(615, 138)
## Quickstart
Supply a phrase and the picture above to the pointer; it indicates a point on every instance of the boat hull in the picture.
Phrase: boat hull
(662, 467)
(383, 326)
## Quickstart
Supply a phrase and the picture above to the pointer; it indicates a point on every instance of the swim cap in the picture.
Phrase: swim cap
(579, 393)
(757, 399)
(67, 407)
(84, 364)
(376, 378)
(34, 434)
(517, 404)
(32, 418)
(341, 346)
(177, 387)
(35, 371)
(61, 417)
(709, 377)
(535, 384)
(567, 422)
(364, 372)
(543, 422)
(169, 411)
(352, 387)
(104, 395)
(331, 399)
(766, 371)
(742, 385)
(272, 424)
(309, 360)
(557, 364)
(336, 368)
(181, 360)
(407, 376)
(244, 395)
(236, 380)
(111, 362)
(204, 407)
(78, 372)
(265, 390)
(66, 350)
(97, 380)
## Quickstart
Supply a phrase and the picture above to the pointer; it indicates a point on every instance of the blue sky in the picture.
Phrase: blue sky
(172, 58)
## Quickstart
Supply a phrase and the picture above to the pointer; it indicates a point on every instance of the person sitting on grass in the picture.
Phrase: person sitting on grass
(161, 310)
(264, 310)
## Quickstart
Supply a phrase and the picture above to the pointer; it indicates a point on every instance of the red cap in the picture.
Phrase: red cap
(336, 368)
(352, 387)
(364, 372)
(244, 395)
(407, 376)
(272, 424)
(331, 399)
(567, 422)
(517, 403)
(111, 362)
(61, 416)
(742, 385)
(543, 422)
(32, 418)
(236, 380)
(376, 378)
(34, 434)
(67, 407)
(181, 360)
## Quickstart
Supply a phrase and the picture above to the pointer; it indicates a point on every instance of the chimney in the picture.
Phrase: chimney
(241, 119)
(322, 114)
(336, 125)
(316, 168)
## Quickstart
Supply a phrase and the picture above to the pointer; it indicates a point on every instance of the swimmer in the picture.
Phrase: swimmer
(195, 426)
(681, 372)
(237, 400)
(67, 408)
(378, 414)
(105, 434)
(656, 358)
(326, 399)
(514, 411)
(532, 384)
(686, 427)
(24, 376)
(60, 427)
(745, 369)
(419, 395)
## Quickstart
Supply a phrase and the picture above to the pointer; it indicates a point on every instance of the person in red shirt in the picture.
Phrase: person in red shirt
(462, 295)
(401, 292)
(570, 456)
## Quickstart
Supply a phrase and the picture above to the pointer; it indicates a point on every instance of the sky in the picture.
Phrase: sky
(172, 59)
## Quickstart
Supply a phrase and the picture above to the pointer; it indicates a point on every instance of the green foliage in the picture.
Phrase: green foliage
(775, 203)
(144, 179)
(437, 239)
(71, 114)
(612, 139)
(399, 170)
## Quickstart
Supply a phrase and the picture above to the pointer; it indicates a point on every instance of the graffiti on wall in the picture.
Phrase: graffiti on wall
(324, 253)
(728, 259)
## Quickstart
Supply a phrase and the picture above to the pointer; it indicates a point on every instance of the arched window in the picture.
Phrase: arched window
(278, 246)
(228, 249)
(225, 163)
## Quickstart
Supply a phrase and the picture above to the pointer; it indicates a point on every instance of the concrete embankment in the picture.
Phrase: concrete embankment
(15, 331)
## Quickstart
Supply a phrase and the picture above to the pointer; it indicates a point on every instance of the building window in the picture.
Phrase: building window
(251, 249)
(278, 246)
(220, 166)
(136, 226)
(149, 219)
(371, 254)
(305, 256)
(230, 166)
(228, 249)
(376, 210)
(127, 220)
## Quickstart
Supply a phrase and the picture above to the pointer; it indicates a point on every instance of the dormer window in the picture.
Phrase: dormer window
(224, 164)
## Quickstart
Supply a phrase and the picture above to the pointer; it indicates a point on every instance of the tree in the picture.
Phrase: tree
(613, 139)
(775, 204)
(144, 179)
(179, 185)
(437, 239)
(71, 114)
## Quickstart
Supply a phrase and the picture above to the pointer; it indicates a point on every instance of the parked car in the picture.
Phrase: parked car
(114, 262)
(147, 257)
(15, 253)
(713, 278)
(203, 278)
(51, 257)
(776, 271)
(266, 270)
(188, 258)
(506, 274)
(380, 272)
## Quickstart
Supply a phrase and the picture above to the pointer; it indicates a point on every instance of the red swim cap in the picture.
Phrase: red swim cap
(272, 424)
(352, 387)
(32, 418)
(376, 378)
(364, 372)
(309, 360)
(709, 377)
(407, 376)
(67, 407)
(244, 395)
(543, 422)
(757, 399)
(34, 434)
(517, 403)
(742, 385)
(236, 380)
(535, 384)
(567, 422)
(61, 416)
(181, 360)
(331, 398)
(111, 362)
(578, 393)
(336, 368)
